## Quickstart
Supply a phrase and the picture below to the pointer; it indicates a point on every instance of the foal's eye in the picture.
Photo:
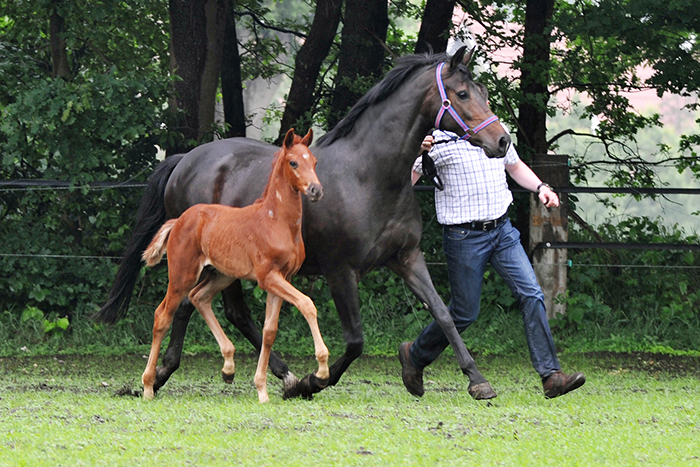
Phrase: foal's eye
(294, 164)
(463, 95)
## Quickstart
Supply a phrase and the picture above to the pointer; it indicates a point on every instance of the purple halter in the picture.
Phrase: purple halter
(447, 106)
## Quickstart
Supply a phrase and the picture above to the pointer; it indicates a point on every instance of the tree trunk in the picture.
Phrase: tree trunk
(231, 81)
(435, 26)
(196, 49)
(361, 53)
(59, 55)
(545, 225)
(307, 66)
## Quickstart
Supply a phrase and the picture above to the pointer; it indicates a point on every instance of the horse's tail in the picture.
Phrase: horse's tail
(150, 218)
(155, 251)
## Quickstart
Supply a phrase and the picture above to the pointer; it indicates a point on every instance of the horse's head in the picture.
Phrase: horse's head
(464, 106)
(300, 165)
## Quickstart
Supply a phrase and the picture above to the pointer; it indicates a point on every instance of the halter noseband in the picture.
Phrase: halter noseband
(447, 106)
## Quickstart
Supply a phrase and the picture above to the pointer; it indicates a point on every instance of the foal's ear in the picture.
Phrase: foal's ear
(289, 139)
(306, 141)
(460, 57)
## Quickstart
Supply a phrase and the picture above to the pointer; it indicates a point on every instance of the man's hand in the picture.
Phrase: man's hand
(548, 197)
(427, 143)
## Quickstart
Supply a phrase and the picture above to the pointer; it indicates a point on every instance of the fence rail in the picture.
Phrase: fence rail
(22, 185)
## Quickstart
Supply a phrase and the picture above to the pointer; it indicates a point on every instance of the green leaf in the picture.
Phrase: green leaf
(32, 313)
(62, 323)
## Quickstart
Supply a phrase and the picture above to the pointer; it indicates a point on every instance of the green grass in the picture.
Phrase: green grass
(66, 411)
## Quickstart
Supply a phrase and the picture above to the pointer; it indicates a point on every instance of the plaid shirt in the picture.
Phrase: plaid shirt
(475, 186)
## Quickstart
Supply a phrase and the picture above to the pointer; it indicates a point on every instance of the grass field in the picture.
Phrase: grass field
(81, 410)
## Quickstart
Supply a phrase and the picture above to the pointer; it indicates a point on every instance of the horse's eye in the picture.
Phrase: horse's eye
(463, 95)
(294, 164)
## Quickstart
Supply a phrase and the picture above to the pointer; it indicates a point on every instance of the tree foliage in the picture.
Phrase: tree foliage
(100, 121)
(86, 92)
(601, 50)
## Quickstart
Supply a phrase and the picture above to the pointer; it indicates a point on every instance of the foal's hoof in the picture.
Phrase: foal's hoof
(148, 393)
(228, 379)
(481, 391)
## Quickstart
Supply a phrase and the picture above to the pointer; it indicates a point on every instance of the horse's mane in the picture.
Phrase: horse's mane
(404, 67)
(275, 161)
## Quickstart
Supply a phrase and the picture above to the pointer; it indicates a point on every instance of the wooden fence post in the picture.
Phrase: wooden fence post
(550, 225)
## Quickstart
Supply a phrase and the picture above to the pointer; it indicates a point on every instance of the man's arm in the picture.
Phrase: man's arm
(526, 178)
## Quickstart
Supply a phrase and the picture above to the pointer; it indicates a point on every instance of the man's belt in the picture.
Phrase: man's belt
(484, 226)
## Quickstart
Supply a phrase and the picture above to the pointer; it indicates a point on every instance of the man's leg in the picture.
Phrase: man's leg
(511, 263)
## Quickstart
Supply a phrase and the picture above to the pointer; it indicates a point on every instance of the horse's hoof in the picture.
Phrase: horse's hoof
(322, 383)
(228, 379)
(289, 381)
(148, 394)
(306, 388)
(162, 376)
(292, 392)
(482, 391)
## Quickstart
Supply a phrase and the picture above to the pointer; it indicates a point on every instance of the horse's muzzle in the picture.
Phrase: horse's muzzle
(314, 192)
(500, 150)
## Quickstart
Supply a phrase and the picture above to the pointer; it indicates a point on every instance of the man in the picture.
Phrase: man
(473, 210)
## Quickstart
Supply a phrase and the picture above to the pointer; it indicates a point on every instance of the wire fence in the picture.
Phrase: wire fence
(42, 185)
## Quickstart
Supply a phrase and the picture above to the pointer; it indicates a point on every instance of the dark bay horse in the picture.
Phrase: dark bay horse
(261, 242)
(369, 216)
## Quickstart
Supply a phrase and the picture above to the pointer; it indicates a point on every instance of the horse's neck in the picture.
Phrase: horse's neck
(281, 201)
(386, 139)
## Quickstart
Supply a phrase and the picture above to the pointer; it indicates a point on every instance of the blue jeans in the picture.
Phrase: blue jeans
(468, 252)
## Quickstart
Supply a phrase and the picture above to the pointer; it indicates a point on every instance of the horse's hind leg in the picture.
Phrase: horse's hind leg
(413, 270)
(272, 314)
(201, 296)
(170, 361)
(238, 313)
(163, 317)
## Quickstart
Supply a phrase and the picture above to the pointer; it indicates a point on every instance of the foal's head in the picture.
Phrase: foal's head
(300, 164)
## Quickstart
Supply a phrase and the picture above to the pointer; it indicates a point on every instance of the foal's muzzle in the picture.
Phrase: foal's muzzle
(314, 192)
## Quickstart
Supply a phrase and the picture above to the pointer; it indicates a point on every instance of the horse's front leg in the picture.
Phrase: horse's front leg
(412, 268)
(173, 354)
(238, 313)
(343, 286)
(276, 284)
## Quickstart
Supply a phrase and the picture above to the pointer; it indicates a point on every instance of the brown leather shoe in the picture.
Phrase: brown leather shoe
(558, 384)
(412, 376)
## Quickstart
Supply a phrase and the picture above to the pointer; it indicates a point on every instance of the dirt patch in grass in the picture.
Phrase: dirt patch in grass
(653, 363)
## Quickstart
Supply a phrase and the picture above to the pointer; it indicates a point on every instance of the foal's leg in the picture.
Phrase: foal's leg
(201, 297)
(343, 284)
(272, 315)
(238, 313)
(161, 323)
(276, 284)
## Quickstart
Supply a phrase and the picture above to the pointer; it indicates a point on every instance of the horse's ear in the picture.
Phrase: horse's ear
(308, 138)
(461, 57)
(289, 139)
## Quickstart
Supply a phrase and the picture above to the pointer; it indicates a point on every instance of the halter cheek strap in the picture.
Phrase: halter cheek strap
(447, 106)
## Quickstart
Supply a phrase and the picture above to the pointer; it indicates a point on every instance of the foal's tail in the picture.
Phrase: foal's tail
(155, 251)
(149, 219)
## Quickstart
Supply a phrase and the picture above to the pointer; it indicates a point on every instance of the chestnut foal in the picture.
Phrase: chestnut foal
(260, 242)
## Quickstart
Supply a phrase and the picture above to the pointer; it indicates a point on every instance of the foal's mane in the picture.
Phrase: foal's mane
(404, 67)
(276, 161)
